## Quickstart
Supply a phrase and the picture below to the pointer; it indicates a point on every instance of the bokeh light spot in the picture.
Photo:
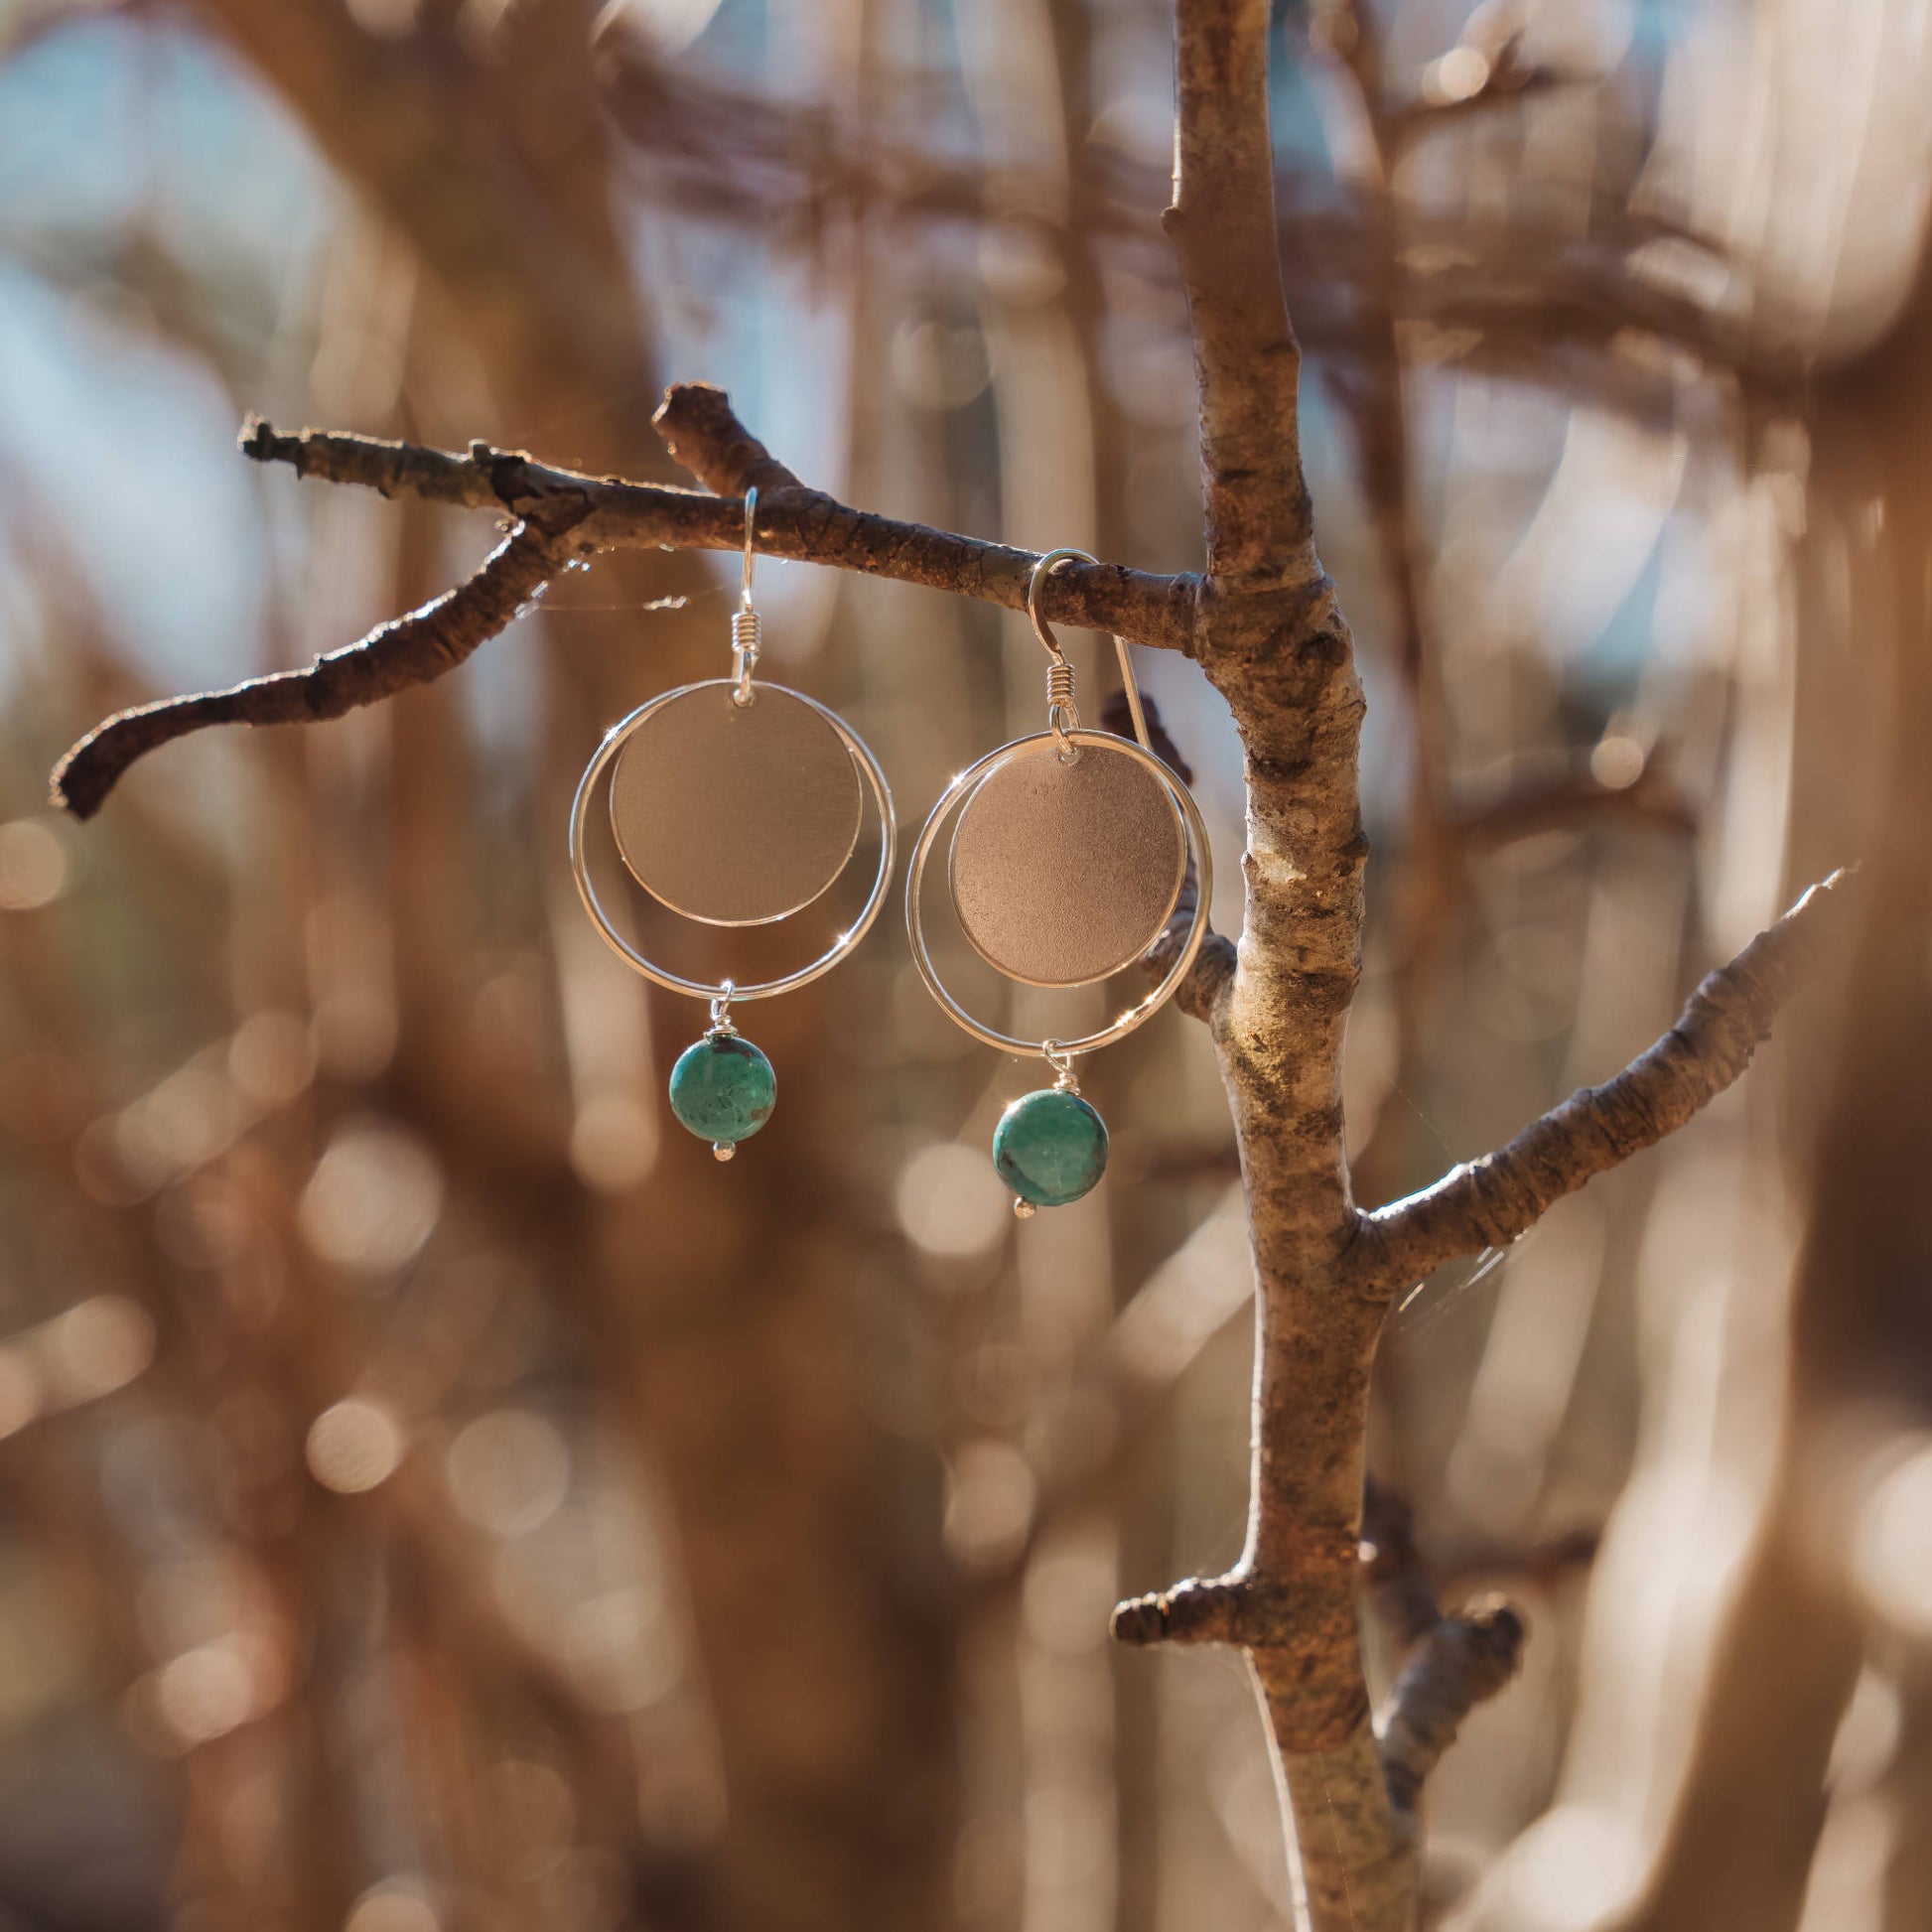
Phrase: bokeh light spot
(622, 1651)
(989, 1504)
(1460, 75)
(613, 1142)
(386, 19)
(395, 1905)
(355, 1446)
(98, 1346)
(373, 1198)
(1617, 762)
(950, 1201)
(509, 1471)
(271, 1059)
(33, 864)
(1892, 1551)
(206, 1692)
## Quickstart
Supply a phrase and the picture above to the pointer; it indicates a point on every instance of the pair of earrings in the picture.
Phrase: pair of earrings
(738, 802)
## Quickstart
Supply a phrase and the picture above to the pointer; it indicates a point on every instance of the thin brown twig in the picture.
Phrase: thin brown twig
(394, 656)
(1456, 1663)
(1399, 1585)
(1451, 1662)
(793, 522)
(1206, 985)
(563, 515)
(1488, 1204)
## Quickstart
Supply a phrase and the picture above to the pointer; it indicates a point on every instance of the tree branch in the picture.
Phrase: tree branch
(406, 651)
(793, 522)
(1246, 359)
(1449, 1663)
(1489, 1203)
(1455, 1664)
(563, 515)
(1273, 640)
(1399, 1588)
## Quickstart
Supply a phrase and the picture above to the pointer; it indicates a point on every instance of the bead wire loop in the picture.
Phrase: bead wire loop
(720, 1011)
(1062, 1061)
(728, 991)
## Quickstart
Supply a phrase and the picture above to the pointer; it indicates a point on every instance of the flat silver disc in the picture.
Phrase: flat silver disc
(735, 815)
(1064, 873)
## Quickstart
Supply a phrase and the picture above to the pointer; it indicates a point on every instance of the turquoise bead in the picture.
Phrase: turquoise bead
(1050, 1147)
(723, 1089)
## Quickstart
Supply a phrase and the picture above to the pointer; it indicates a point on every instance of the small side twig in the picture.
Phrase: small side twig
(405, 651)
(1455, 1664)
(1488, 1204)
(1200, 1611)
(1450, 1661)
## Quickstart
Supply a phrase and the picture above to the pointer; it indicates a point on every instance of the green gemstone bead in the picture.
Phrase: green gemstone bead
(723, 1089)
(1050, 1147)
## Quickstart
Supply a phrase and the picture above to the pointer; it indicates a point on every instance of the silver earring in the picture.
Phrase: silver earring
(734, 802)
(1068, 859)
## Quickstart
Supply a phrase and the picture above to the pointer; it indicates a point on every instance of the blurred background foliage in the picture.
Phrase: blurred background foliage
(433, 1494)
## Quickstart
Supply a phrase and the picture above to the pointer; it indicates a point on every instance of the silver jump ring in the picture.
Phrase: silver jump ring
(1123, 1024)
(727, 990)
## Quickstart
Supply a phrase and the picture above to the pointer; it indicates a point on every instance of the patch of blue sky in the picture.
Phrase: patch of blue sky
(108, 119)
(728, 308)
(126, 441)
(131, 449)
(1613, 663)
(1295, 114)
(71, 133)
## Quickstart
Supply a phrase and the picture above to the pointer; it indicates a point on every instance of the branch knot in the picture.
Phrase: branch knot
(1194, 1611)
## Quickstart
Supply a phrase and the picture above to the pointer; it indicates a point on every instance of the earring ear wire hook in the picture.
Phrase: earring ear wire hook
(745, 620)
(1050, 645)
(1042, 570)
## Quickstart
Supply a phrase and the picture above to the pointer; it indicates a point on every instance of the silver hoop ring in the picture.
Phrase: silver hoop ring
(1055, 1049)
(727, 989)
